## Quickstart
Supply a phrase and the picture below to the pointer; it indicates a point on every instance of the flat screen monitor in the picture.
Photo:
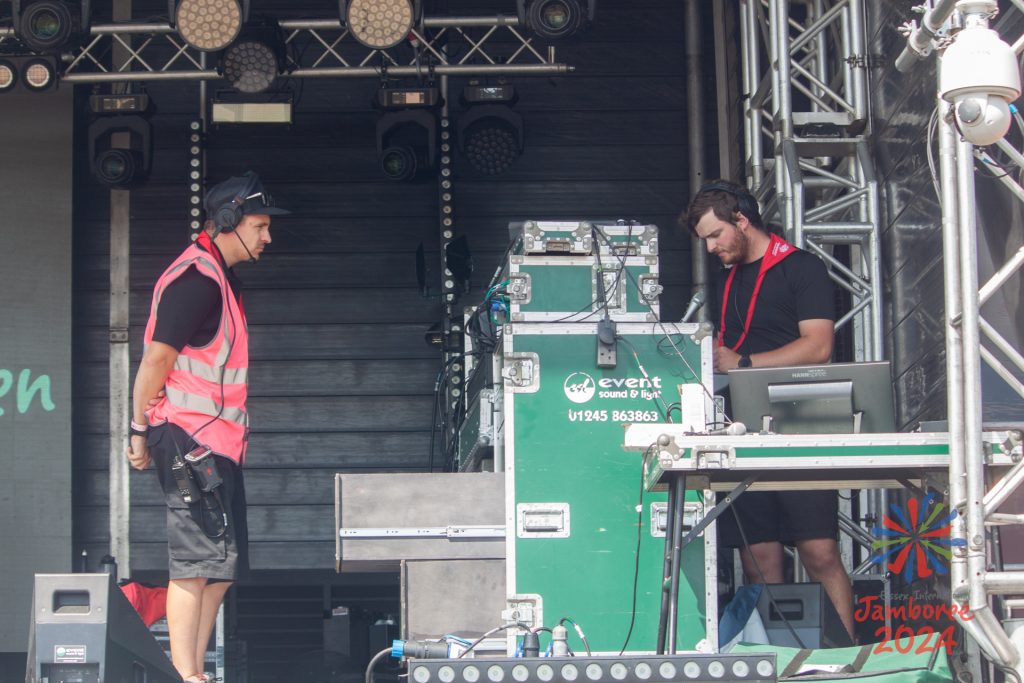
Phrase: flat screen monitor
(840, 398)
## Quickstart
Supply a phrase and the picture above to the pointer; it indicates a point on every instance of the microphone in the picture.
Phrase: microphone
(252, 259)
(735, 429)
(695, 303)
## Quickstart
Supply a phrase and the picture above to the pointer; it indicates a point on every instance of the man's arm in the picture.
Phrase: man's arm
(813, 346)
(156, 365)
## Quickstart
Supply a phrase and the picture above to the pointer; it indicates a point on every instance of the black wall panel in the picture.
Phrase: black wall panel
(341, 377)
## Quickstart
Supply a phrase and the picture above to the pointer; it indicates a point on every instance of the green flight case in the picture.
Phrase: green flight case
(574, 516)
(566, 288)
(578, 238)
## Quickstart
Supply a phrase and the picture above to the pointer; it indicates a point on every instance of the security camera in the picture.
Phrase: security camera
(979, 76)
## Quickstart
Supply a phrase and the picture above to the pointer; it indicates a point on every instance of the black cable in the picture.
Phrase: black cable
(374, 662)
(579, 632)
(771, 598)
(643, 371)
(639, 540)
(668, 336)
(490, 633)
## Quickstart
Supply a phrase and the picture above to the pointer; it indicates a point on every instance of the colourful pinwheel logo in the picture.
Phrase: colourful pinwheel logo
(912, 544)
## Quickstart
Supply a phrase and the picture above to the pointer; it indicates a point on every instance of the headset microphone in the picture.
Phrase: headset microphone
(252, 259)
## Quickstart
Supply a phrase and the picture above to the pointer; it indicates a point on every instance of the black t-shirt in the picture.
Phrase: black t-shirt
(796, 289)
(190, 309)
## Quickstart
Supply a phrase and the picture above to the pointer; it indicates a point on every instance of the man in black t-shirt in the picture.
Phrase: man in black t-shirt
(775, 307)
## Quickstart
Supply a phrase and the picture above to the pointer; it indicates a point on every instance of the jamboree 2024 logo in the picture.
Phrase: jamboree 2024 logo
(914, 543)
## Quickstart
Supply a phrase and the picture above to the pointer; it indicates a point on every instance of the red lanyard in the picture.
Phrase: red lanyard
(778, 249)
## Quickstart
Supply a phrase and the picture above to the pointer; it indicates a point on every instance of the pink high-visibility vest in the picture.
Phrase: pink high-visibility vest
(207, 387)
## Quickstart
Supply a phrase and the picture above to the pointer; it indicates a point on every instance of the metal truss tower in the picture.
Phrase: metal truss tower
(806, 139)
(969, 340)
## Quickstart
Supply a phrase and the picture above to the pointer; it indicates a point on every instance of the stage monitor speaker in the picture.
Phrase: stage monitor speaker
(807, 608)
(83, 630)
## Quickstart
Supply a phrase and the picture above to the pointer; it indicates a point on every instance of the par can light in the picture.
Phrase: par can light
(8, 75)
(250, 66)
(38, 74)
(378, 24)
(209, 25)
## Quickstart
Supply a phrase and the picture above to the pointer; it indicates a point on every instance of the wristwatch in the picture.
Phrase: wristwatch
(744, 362)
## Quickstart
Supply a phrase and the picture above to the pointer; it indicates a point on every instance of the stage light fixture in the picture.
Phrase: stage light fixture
(251, 64)
(49, 26)
(490, 132)
(407, 143)
(555, 19)
(120, 167)
(8, 75)
(379, 24)
(407, 131)
(209, 25)
(39, 74)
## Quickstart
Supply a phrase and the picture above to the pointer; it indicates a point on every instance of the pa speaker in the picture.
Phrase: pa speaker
(83, 630)
(804, 610)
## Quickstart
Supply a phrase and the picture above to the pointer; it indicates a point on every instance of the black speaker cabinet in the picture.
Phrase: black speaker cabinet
(83, 630)
(809, 613)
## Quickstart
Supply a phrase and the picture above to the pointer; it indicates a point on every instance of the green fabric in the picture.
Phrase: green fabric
(882, 667)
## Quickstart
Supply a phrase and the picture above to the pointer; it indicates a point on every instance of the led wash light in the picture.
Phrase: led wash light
(379, 24)
(209, 25)
(490, 132)
(250, 66)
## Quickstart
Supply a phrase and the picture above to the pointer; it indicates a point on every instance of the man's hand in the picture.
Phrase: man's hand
(138, 452)
(726, 359)
(155, 400)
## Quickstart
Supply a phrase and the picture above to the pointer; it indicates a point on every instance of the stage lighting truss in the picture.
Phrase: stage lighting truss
(476, 46)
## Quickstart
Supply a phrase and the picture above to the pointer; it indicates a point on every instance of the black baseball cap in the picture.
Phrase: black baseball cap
(248, 190)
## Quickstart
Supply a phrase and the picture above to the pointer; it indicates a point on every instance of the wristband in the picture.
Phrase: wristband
(137, 429)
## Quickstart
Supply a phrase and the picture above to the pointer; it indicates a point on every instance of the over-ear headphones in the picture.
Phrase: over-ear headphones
(228, 215)
(745, 202)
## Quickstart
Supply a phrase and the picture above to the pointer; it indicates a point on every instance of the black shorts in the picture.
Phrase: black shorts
(784, 516)
(195, 545)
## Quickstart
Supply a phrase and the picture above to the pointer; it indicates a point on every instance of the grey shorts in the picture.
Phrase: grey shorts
(198, 543)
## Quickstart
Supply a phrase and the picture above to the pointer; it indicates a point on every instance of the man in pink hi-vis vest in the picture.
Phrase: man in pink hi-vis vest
(189, 414)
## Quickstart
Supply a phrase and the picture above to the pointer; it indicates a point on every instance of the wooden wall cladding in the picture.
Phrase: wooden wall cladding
(341, 377)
